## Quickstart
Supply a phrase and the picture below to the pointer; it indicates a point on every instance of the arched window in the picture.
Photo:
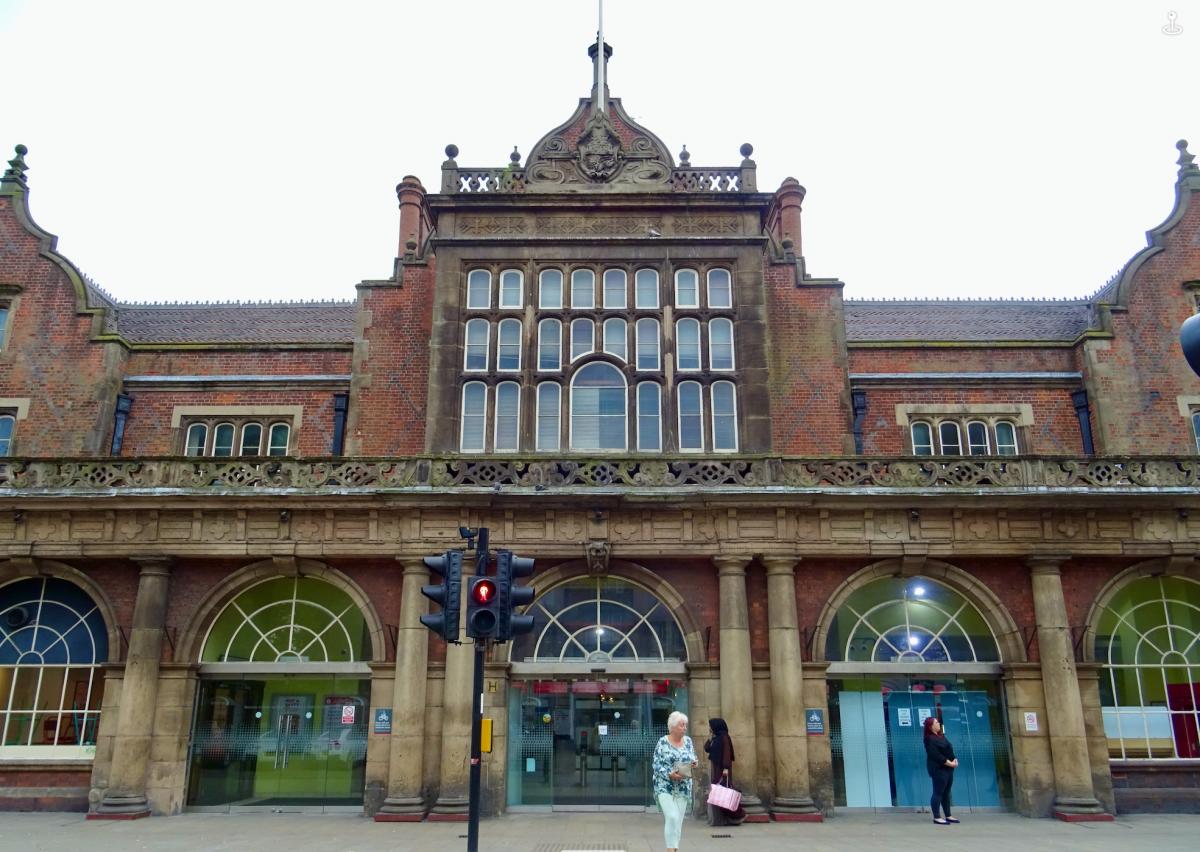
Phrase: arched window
(720, 344)
(691, 418)
(687, 344)
(687, 289)
(583, 338)
(720, 290)
(950, 438)
(550, 345)
(1148, 640)
(475, 353)
(615, 334)
(512, 288)
(197, 438)
(53, 643)
(252, 439)
(223, 439)
(649, 417)
(508, 346)
(474, 417)
(7, 422)
(977, 439)
(600, 620)
(508, 417)
(646, 331)
(724, 417)
(1006, 439)
(615, 286)
(646, 289)
(479, 290)
(598, 408)
(288, 620)
(550, 289)
(583, 289)
(280, 435)
(909, 620)
(922, 439)
(549, 414)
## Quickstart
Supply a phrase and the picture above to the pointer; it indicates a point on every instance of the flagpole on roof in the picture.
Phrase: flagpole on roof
(600, 87)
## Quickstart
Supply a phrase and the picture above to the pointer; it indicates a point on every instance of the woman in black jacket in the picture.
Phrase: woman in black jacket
(720, 759)
(941, 762)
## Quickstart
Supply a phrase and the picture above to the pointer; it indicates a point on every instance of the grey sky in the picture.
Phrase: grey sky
(250, 150)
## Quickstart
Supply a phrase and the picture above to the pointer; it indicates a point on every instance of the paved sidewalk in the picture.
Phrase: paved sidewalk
(561, 832)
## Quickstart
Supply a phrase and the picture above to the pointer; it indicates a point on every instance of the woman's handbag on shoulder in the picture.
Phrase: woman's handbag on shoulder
(724, 797)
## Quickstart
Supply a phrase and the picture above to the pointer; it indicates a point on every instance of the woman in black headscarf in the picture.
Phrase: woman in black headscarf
(719, 749)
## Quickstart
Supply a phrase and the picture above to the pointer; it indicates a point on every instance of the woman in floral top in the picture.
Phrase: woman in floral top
(672, 790)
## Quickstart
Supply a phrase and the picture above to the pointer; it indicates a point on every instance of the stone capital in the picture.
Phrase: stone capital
(779, 564)
(413, 565)
(731, 565)
(154, 564)
(1046, 563)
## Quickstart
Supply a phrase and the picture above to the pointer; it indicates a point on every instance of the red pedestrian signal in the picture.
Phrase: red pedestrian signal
(482, 615)
(484, 591)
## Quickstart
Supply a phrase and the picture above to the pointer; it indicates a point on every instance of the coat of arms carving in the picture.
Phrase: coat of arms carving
(599, 150)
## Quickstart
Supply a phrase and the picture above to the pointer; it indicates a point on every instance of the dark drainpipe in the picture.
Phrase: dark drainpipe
(858, 400)
(1084, 413)
(340, 401)
(124, 403)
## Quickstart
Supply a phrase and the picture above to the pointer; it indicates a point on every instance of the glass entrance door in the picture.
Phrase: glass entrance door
(287, 744)
(876, 727)
(587, 744)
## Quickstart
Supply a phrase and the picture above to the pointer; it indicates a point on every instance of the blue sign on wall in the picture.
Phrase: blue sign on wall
(814, 720)
(383, 720)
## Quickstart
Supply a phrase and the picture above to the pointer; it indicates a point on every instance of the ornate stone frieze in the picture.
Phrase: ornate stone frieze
(492, 226)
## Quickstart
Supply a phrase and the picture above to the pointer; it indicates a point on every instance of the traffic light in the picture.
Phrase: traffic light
(483, 615)
(446, 593)
(509, 568)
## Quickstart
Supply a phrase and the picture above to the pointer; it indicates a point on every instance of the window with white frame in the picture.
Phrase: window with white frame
(646, 289)
(598, 408)
(7, 424)
(479, 290)
(512, 288)
(549, 408)
(508, 418)
(649, 417)
(53, 646)
(687, 344)
(615, 333)
(550, 345)
(475, 352)
(720, 344)
(1196, 427)
(687, 289)
(223, 437)
(691, 418)
(724, 417)
(583, 338)
(474, 417)
(720, 289)
(583, 289)
(944, 437)
(508, 346)
(550, 289)
(4, 308)
(646, 332)
(615, 288)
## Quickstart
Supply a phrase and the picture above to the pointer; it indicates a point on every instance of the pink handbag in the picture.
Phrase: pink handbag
(724, 797)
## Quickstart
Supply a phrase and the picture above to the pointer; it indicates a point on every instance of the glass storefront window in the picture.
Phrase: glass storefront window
(1148, 639)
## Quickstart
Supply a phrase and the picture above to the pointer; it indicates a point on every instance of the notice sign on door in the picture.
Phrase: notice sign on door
(904, 717)
(814, 721)
(1031, 722)
(923, 713)
(347, 714)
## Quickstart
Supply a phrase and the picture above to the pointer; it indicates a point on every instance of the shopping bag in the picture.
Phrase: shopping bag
(724, 797)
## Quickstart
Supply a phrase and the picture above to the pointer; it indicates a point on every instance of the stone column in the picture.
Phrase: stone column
(1075, 798)
(793, 802)
(405, 800)
(737, 680)
(453, 799)
(125, 797)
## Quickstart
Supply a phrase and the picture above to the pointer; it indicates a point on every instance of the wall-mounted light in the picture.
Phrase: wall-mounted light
(285, 516)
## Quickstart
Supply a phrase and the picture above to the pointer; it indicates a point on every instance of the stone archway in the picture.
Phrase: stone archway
(14, 569)
(1142, 570)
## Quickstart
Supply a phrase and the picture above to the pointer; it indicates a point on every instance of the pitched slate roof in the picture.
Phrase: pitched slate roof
(980, 320)
(245, 322)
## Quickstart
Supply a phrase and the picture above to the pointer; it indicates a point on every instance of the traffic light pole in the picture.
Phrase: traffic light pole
(481, 563)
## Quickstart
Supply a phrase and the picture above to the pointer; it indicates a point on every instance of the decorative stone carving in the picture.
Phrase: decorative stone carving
(597, 553)
(599, 149)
